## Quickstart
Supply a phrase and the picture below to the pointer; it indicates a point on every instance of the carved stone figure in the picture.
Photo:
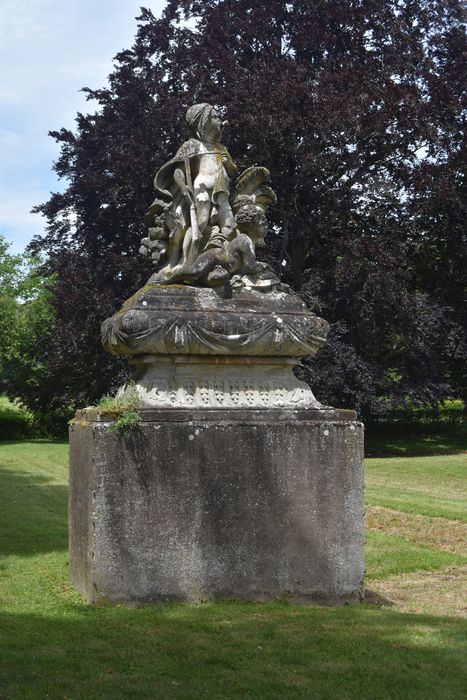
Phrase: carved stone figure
(204, 225)
(213, 326)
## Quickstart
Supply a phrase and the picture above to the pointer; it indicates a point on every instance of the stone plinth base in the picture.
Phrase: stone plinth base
(185, 381)
(217, 504)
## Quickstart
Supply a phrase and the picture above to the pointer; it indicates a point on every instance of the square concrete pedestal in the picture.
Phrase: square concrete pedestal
(217, 504)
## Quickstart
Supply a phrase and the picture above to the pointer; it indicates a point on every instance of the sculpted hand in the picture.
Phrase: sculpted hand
(229, 165)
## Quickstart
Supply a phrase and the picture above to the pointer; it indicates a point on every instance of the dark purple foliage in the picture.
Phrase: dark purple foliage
(356, 108)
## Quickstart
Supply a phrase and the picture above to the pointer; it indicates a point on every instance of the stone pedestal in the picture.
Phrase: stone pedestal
(216, 504)
(230, 382)
(236, 483)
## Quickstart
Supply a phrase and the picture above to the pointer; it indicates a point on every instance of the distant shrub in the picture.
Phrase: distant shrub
(54, 424)
(419, 430)
(450, 411)
(16, 422)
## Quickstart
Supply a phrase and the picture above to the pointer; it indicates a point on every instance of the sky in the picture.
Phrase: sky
(49, 49)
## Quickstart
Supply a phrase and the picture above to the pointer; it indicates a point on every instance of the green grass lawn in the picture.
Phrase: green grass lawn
(54, 645)
(435, 486)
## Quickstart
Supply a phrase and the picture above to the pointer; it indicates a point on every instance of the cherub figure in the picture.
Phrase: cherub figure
(216, 265)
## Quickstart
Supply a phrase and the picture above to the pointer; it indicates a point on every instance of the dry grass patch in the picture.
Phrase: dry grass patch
(440, 593)
(449, 535)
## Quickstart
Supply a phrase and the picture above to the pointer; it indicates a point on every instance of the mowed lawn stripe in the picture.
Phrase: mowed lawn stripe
(386, 555)
(413, 501)
(33, 497)
(431, 486)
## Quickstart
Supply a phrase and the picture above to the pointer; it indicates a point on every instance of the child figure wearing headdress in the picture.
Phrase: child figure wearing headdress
(215, 169)
(208, 169)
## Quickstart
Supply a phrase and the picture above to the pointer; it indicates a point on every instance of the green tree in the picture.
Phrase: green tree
(26, 327)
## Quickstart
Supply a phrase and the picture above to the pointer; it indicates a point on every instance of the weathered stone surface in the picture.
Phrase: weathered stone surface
(217, 504)
(187, 381)
(177, 319)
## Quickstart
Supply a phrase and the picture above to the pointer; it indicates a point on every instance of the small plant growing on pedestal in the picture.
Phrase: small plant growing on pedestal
(122, 409)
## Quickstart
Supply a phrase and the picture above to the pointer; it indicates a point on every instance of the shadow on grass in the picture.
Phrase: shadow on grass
(35, 441)
(375, 599)
(408, 440)
(232, 651)
(33, 514)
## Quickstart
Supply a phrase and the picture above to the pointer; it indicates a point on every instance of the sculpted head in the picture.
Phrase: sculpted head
(251, 219)
(204, 123)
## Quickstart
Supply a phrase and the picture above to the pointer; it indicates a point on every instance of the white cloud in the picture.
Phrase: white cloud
(49, 50)
(18, 225)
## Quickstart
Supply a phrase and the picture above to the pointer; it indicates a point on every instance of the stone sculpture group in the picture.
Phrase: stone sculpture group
(206, 221)
(210, 295)
(237, 482)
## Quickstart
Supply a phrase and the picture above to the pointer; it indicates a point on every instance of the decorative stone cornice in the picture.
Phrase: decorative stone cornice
(164, 320)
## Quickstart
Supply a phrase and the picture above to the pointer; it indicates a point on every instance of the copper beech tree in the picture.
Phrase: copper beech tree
(356, 109)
